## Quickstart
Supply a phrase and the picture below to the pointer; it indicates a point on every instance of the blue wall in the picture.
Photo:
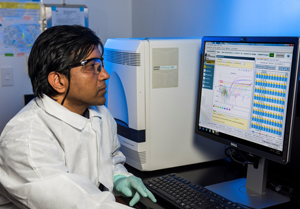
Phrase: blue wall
(169, 18)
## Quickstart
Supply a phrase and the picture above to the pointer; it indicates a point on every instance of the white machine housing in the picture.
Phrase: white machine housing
(152, 95)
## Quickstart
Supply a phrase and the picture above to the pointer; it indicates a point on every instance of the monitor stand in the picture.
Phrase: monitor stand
(252, 191)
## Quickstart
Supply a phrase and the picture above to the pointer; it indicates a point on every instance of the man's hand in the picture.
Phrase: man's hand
(132, 186)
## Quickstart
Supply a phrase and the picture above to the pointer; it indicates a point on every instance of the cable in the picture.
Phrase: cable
(69, 69)
(281, 189)
(286, 191)
(233, 158)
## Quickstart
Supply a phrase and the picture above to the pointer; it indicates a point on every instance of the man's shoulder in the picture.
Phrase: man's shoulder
(27, 113)
(26, 120)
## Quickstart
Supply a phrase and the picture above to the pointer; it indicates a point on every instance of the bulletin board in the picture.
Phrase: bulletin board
(19, 26)
(62, 14)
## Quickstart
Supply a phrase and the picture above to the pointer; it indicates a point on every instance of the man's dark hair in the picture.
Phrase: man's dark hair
(54, 50)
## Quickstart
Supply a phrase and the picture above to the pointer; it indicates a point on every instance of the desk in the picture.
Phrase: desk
(204, 174)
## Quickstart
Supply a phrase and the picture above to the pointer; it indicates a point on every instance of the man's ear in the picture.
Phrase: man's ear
(58, 82)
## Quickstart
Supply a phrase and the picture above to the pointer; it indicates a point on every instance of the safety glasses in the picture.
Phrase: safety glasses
(93, 65)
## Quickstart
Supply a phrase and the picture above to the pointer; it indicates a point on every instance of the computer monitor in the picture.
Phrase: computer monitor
(247, 98)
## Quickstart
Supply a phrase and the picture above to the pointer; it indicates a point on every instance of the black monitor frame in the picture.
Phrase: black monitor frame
(243, 145)
(252, 191)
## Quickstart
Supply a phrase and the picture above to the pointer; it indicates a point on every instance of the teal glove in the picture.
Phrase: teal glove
(131, 186)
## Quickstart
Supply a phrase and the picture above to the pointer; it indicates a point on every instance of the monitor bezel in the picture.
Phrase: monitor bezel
(291, 110)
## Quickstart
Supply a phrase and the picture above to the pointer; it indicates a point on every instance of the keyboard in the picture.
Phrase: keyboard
(183, 194)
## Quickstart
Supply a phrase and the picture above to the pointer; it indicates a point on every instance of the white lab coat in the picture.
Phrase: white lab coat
(53, 158)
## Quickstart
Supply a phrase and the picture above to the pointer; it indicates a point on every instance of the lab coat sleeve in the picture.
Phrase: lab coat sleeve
(118, 159)
(33, 175)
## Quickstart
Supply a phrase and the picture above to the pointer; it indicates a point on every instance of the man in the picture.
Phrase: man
(61, 150)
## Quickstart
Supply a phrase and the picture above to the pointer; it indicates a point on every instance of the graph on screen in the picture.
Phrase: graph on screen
(233, 95)
(235, 89)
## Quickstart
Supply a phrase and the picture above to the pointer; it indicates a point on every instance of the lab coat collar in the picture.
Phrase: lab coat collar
(57, 110)
(94, 112)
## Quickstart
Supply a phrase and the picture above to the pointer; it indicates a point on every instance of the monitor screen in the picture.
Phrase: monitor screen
(247, 93)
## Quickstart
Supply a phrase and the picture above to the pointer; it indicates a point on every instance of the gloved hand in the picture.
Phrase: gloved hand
(131, 186)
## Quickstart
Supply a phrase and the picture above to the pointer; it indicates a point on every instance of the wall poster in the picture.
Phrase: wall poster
(19, 26)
